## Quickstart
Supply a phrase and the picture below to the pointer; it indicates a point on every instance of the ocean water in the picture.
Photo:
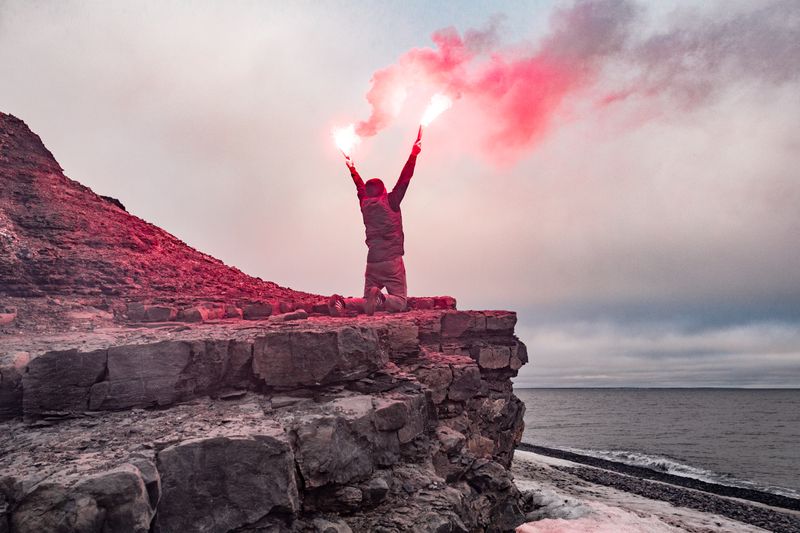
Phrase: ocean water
(741, 437)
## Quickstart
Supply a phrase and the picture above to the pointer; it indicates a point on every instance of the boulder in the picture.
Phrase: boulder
(170, 371)
(222, 483)
(142, 375)
(480, 446)
(320, 308)
(256, 310)
(457, 347)
(116, 500)
(135, 311)
(327, 451)
(61, 381)
(450, 440)
(429, 325)
(205, 311)
(500, 322)
(503, 499)
(281, 307)
(208, 362)
(349, 497)
(437, 378)
(159, 313)
(448, 461)
(492, 357)
(191, 314)
(231, 311)
(519, 356)
(123, 496)
(455, 324)
(466, 382)
(401, 338)
(417, 419)
(390, 415)
(358, 412)
(301, 358)
(150, 477)
(54, 508)
(386, 448)
(375, 490)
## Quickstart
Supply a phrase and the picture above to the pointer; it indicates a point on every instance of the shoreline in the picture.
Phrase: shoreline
(752, 495)
(572, 495)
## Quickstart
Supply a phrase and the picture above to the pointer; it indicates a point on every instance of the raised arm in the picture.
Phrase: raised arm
(359, 183)
(399, 191)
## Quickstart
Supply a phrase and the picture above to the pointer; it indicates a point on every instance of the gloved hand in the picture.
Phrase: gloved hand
(417, 148)
(348, 161)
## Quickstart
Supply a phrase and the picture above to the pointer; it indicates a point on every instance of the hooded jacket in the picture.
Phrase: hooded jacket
(383, 220)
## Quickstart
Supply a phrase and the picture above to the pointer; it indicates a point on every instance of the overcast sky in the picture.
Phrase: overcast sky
(653, 241)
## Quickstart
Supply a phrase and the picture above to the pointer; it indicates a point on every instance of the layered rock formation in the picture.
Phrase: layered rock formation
(195, 404)
(394, 423)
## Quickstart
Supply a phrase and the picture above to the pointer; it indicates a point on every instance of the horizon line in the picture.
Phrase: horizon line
(793, 387)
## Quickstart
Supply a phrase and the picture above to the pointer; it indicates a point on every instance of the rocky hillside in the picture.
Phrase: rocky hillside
(60, 241)
(146, 387)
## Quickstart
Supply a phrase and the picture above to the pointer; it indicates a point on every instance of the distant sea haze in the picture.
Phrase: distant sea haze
(742, 437)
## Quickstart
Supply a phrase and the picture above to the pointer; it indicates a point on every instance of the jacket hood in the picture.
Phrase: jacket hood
(374, 183)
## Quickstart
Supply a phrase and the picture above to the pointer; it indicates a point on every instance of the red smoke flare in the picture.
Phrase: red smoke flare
(516, 93)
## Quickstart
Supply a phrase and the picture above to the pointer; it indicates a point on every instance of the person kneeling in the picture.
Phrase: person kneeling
(383, 222)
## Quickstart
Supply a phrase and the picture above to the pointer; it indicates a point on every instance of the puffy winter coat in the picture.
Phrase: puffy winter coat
(384, 227)
(382, 217)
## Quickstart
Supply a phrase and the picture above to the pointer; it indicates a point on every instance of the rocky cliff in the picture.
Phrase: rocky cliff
(69, 247)
(138, 400)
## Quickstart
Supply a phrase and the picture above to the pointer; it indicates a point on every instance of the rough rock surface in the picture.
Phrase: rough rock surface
(208, 428)
(147, 387)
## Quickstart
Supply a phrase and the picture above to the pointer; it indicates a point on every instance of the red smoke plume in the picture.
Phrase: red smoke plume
(518, 91)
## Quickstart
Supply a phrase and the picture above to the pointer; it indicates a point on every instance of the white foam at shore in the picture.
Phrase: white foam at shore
(668, 465)
(583, 507)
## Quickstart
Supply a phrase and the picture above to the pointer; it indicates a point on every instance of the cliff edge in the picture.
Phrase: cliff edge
(145, 386)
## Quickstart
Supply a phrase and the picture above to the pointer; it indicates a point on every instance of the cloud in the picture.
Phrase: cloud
(698, 56)
(607, 354)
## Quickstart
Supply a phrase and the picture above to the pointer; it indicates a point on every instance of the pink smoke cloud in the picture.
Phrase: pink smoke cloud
(517, 91)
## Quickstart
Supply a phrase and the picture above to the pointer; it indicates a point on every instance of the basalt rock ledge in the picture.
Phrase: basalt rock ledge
(208, 400)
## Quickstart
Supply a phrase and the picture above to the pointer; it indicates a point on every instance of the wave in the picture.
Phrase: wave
(668, 465)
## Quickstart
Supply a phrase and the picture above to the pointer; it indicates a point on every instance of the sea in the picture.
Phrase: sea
(741, 437)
